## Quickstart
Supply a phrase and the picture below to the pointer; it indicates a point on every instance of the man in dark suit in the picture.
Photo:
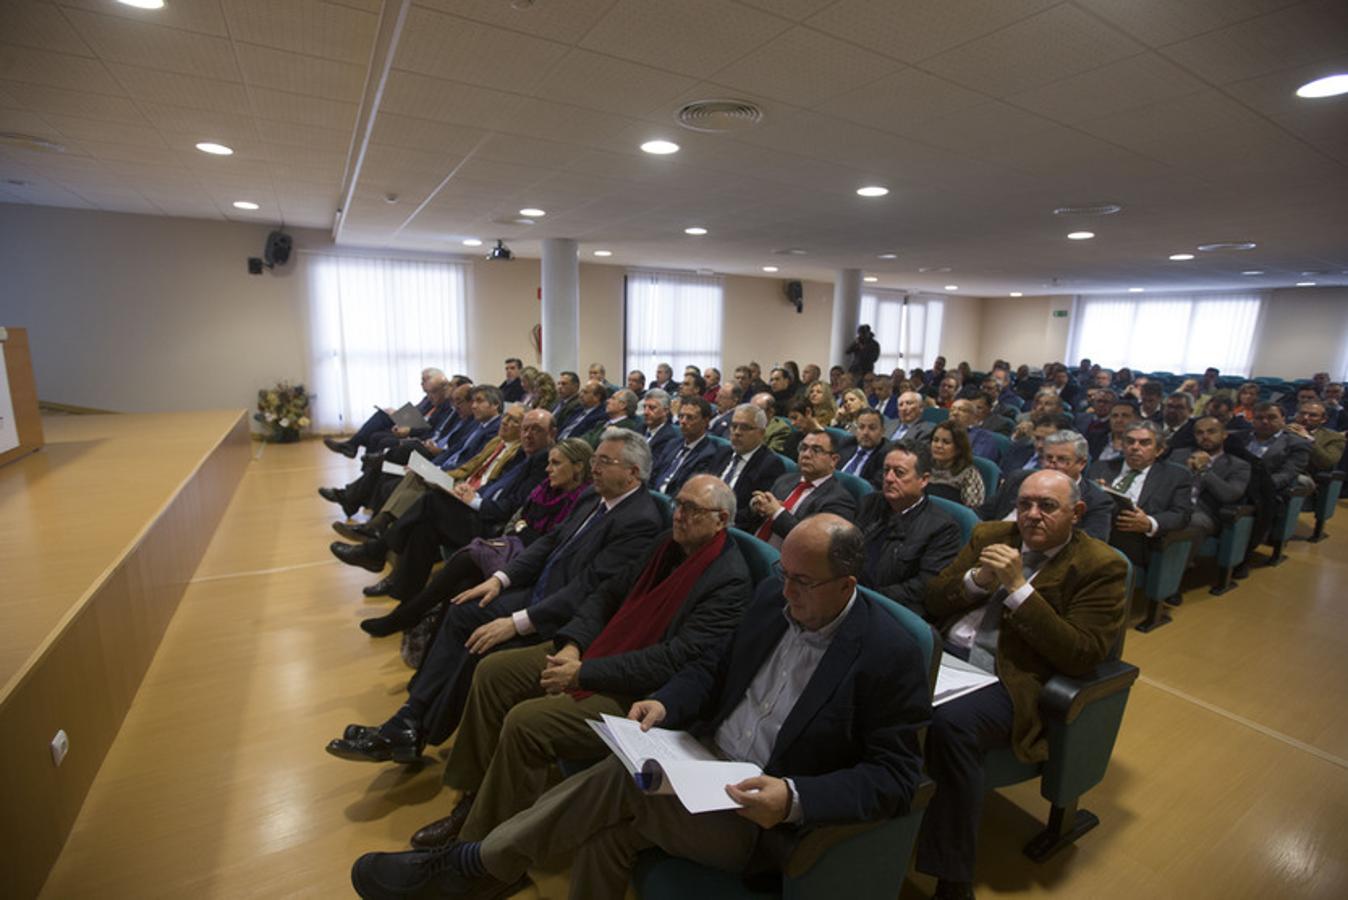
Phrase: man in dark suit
(381, 422)
(908, 538)
(528, 601)
(1106, 445)
(1177, 424)
(659, 431)
(528, 706)
(1161, 492)
(621, 412)
(728, 396)
(1283, 455)
(636, 382)
(1026, 453)
(985, 418)
(1063, 451)
(664, 379)
(568, 399)
(911, 427)
(590, 415)
(693, 454)
(1023, 601)
(818, 767)
(1327, 445)
(1220, 478)
(748, 466)
(964, 412)
(487, 406)
(795, 496)
(512, 391)
(863, 455)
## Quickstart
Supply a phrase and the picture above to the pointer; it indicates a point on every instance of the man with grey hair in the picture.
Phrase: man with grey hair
(528, 600)
(381, 424)
(808, 643)
(747, 465)
(660, 433)
(911, 426)
(621, 412)
(728, 396)
(1159, 494)
(1067, 452)
(529, 706)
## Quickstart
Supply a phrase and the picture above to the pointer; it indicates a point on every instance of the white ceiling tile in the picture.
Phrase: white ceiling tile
(278, 70)
(410, 94)
(605, 83)
(111, 155)
(297, 134)
(692, 37)
(566, 22)
(62, 70)
(411, 174)
(189, 15)
(1275, 94)
(1292, 37)
(310, 27)
(1055, 44)
(900, 99)
(1127, 84)
(299, 166)
(177, 89)
(1161, 22)
(977, 126)
(24, 122)
(423, 134)
(571, 124)
(805, 67)
(790, 9)
(119, 40)
(1197, 113)
(332, 114)
(460, 50)
(210, 125)
(110, 132)
(918, 29)
(527, 151)
(73, 103)
(39, 25)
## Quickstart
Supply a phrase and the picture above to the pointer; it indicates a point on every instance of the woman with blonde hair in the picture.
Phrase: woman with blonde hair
(545, 391)
(821, 401)
(854, 403)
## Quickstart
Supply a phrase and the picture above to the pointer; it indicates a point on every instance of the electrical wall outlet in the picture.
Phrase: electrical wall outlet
(60, 746)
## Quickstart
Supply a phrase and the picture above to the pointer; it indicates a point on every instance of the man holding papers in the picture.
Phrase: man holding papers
(1024, 600)
(821, 689)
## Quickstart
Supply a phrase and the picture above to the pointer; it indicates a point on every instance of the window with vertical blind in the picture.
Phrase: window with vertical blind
(1167, 333)
(673, 318)
(907, 327)
(375, 323)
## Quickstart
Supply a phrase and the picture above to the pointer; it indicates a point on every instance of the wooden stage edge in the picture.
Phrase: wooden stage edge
(85, 673)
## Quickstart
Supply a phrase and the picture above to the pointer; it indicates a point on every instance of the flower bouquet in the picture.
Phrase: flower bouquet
(283, 410)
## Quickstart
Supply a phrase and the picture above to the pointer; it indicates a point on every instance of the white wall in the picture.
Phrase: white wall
(1304, 331)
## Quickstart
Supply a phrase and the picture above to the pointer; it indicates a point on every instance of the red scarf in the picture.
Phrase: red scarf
(652, 603)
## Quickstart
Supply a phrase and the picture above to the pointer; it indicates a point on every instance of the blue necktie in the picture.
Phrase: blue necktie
(857, 462)
(673, 468)
(556, 556)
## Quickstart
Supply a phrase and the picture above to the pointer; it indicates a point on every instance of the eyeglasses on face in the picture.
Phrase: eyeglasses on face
(805, 584)
(600, 459)
(807, 449)
(688, 509)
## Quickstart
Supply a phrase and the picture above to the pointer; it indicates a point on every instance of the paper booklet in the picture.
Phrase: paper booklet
(409, 417)
(429, 472)
(673, 762)
(957, 678)
(1121, 500)
(394, 469)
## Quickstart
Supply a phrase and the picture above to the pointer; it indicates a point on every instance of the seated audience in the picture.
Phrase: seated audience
(784, 387)
(1025, 452)
(1062, 451)
(1246, 398)
(598, 373)
(664, 379)
(1023, 601)
(801, 413)
(796, 495)
(1282, 454)
(1177, 424)
(824, 771)
(693, 385)
(690, 455)
(568, 401)
(1107, 446)
(1326, 444)
(1161, 492)
(964, 412)
(660, 432)
(1220, 478)
(822, 405)
(591, 414)
(779, 429)
(953, 473)
(381, 423)
(712, 376)
(911, 426)
(863, 455)
(636, 382)
(728, 396)
(544, 392)
(749, 465)
(620, 411)
(512, 390)
(853, 404)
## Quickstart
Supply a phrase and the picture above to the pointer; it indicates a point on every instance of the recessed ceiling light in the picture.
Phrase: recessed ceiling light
(952, 287)
(1081, 235)
(143, 4)
(1253, 272)
(926, 269)
(472, 242)
(1089, 209)
(872, 190)
(245, 204)
(215, 149)
(532, 212)
(1227, 245)
(1329, 86)
(1305, 284)
(870, 279)
(1017, 294)
(888, 256)
(769, 268)
(696, 230)
(1181, 257)
(790, 251)
(603, 253)
(660, 148)
(1135, 290)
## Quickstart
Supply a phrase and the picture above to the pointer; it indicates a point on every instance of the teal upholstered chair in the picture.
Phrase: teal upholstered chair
(1081, 722)
(1228, 546)
(760, 555)
(839, 435)
(935, 414)
(857, 486)
(1167, 557)
(666, 505)
(965, 516)
(1002, 441)
(1285, 523)
(789, 463)
(991, 473)
(858, 862)
(719, 441)
(1328, 486)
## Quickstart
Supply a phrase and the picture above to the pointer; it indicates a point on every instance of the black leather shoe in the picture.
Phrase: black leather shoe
(352, 732)
(401, 747)
(343, 447)
(354, 531)
(383, 626)
(380, 588)
(443, 831)
(423, 873)
(953, 890)
(357, 555)
(333, 495)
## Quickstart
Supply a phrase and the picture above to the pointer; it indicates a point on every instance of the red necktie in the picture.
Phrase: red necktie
(479, 474)
(765, 530)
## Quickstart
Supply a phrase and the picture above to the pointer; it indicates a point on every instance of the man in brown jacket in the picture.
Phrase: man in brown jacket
(1023, 600)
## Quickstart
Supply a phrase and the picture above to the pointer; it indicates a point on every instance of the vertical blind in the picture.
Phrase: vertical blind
(375, 323)
(672, 318)
(1168, 333)
(908, 328)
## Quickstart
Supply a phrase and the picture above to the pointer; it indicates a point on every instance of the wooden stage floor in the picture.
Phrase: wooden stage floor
(1230, 778)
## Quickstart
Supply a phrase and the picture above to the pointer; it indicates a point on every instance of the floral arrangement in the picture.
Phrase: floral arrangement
(283, 410)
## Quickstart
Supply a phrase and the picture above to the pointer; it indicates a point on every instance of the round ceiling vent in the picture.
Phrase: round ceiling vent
(716, 116)
(1089, 209)
(1219, 246)
(31, 142)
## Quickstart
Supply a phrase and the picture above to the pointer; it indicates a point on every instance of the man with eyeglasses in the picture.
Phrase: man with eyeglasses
(748, 466)
(809, 646)
(1067, 452)
(529, 706)
(794, 496)
(1024, 600)
(534, 595)
(1160, 493)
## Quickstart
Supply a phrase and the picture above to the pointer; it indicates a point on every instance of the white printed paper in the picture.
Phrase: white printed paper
(9, 429)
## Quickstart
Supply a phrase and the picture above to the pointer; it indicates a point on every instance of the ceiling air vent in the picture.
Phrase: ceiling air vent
(1089, 209)
(31, 142)
(1219, 246)
(716, 116)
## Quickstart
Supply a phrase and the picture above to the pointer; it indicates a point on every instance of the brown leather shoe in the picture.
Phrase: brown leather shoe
(442, 831)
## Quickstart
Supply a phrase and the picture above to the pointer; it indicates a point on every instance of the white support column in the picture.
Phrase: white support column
(846, 314)
(561, 305)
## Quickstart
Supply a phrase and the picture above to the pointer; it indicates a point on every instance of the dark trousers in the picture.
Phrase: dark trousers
(958, 740)
(436, 519)
(380, 421)
(439, 691)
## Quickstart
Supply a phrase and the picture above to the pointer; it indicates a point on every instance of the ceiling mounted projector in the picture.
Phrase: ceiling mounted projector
(501, 252)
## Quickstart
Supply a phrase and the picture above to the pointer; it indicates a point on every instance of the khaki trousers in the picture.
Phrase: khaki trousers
(408, 491)
(512, 732)
(601, 821)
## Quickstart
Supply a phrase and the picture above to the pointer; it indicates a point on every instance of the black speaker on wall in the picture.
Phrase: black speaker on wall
(277, 252)
(795, 292)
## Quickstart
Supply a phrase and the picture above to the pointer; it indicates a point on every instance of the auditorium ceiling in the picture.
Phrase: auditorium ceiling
(419, 125)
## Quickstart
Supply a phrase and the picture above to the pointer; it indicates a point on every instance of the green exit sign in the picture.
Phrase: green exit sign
(1060, 314)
